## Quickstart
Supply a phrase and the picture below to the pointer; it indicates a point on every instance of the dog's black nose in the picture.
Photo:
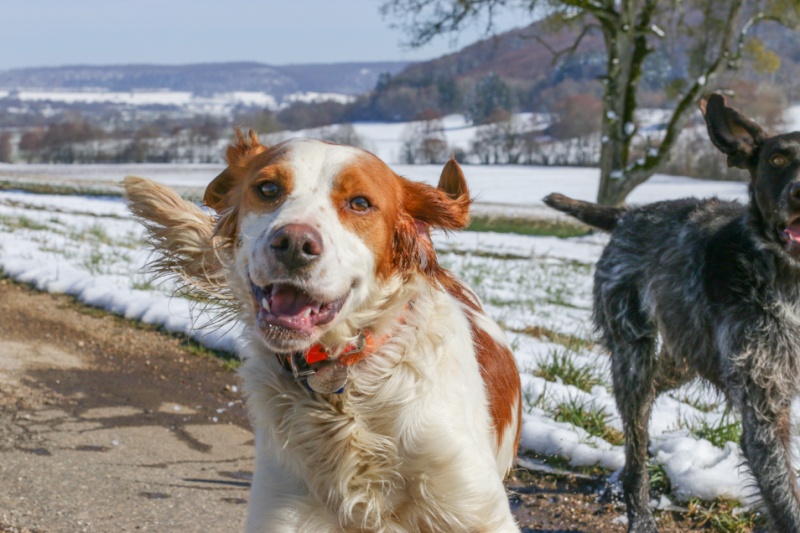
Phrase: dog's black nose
(296, 245)
(794, 194)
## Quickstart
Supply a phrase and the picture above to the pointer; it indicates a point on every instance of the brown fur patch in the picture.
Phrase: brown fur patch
(427, 207)
(370, 178)
(237, 156)
(235, 189)
(397, 229)
(434, 206)
(498, 368)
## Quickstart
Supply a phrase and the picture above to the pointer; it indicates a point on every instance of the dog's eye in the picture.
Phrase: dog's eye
(360, 204)
(777, 161)
(269, 189)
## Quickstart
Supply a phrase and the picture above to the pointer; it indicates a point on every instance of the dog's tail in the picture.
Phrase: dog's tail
(183, 237)
(602, 217)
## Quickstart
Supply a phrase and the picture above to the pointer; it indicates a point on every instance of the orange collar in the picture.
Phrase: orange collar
(354, 352)
(329, 375)
(319, 373)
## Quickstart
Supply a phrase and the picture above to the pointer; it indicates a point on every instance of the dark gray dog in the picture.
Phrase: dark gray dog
(719, 283)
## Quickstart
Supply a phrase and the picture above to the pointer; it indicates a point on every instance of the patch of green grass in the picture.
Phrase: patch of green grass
(541, 332)
(723, 516)
(526, 226)
(130, 240)
(590, 417)
(659, 480)
(142, 284)
(530, 402)
(229, 361)
(60, 250)
(558, 281)
(726, 429)
(560, 462)
(561, 364)
(556, 461)
(98, 233)
(21, 222)
(94, 312)
(49, 188)
(94, 261)
(100, 261)
(475, 273)
(703, 398)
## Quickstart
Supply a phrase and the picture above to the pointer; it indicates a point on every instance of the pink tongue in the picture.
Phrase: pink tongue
(288, 301)
(793, 232)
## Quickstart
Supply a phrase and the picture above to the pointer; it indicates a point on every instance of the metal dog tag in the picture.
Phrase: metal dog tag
(328, 377)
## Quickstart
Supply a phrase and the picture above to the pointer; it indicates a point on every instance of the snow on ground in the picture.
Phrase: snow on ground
(220, 104)
(537, 288)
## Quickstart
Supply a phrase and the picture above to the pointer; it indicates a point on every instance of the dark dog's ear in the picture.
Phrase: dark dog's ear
(734, 134)
(238, 156)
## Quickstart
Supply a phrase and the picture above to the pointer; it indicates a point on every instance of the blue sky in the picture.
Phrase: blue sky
(69, 32)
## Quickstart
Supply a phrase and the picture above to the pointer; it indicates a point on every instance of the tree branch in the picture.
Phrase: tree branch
(604, 12)
(568, 51)
(641, 170)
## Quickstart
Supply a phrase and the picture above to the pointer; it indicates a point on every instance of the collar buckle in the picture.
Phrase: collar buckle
(300, 371)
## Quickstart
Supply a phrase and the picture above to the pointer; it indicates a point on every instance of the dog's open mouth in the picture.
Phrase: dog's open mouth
(791, 236)
(288, 307)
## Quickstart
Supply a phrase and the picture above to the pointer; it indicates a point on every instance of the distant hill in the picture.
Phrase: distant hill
(533, 78)
(207, 78)
(514, 55)
(518, 57)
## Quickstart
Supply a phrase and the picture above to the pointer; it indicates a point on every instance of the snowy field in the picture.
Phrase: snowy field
(218, 104)
(537, 288)
(507, 189)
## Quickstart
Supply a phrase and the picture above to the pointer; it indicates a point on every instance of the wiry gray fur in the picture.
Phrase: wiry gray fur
(719, 283)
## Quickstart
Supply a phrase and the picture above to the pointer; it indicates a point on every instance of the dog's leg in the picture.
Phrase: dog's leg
(765, 442)
(630, 337)
(634, 375)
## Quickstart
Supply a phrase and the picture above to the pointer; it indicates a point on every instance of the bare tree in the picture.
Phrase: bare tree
(5, 147)
(424, 140)
(505, 140)
(711, 33)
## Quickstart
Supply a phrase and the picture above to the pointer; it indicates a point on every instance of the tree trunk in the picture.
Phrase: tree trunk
(627, 47)
(626, 43)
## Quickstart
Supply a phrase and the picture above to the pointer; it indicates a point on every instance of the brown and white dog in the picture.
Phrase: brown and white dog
(382, 397)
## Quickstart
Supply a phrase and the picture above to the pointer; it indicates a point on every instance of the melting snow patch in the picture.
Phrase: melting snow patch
(697, 468)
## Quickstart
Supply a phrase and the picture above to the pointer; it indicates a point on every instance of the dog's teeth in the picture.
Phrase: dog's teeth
(265, 304)
(306, 313)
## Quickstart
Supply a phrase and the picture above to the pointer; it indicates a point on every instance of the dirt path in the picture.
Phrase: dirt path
(106, 426)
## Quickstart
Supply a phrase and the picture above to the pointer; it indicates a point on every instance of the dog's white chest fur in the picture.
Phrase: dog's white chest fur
(407, 447)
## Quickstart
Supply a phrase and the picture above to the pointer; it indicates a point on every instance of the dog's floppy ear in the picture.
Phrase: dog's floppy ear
(445, 207)
(452, 181)
(238, 157)
(183, 236)
(734, 134)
